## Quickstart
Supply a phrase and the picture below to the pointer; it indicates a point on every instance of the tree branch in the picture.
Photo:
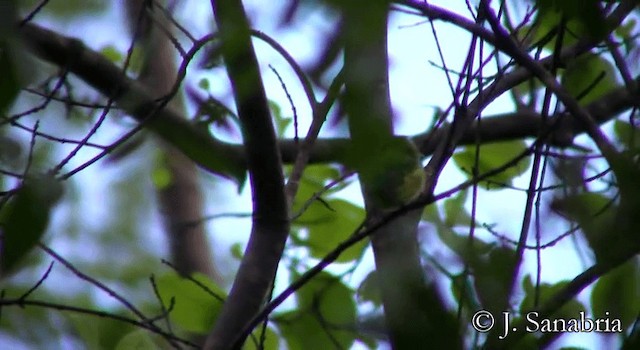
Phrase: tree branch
(228, 159)
(414, 311)
(181, 200)
(220, 158)
(507, 44)
(270, 227)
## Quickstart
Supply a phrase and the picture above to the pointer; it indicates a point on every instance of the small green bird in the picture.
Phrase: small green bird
(393, 175)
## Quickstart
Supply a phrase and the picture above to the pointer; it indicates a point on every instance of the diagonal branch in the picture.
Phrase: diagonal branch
(508, 45)
(228, 159)
(133, 97)
(181, 200)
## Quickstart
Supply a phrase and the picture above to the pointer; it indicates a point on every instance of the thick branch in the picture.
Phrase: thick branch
(414, 312)
(270, 210)
(133, 97)
(181, 200)
(228, 159)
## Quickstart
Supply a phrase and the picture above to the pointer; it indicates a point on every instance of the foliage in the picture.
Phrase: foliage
(514, 202)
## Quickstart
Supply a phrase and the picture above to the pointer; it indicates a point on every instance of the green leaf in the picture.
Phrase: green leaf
(625, 30)
(469, 250)
(313, 181)
(522, 92)
(617, 294)
(431, 214)
(320, 175)
(585, 16)
(462, 289)
(237, 251)
(326, 311)
(9, 86)
(610, 226)
(442, 326)
(197, 144)
(194, 310)
(547, 291)
(11, 152)
(86, 330)
(271, 340)
(26, 219)
(161, 174)
(626, 169)
(463, 246)
(204, 84)
(112, 54)
(595, 214)
(96, 332)
(455, 212)
(369, 289)
(627, 134)
(546, 24)
(492, 277)
(589, 77)
(329, 225)
(491, 157)
(213, 113)
(68, 8)
(570, 171)
(13, 60)
(282, 123)
(138, 340)
(625, 33)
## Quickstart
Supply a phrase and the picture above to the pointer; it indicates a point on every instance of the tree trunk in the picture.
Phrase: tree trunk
(181, 201)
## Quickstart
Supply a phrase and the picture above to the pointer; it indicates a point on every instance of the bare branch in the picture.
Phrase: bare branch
(270, 227)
